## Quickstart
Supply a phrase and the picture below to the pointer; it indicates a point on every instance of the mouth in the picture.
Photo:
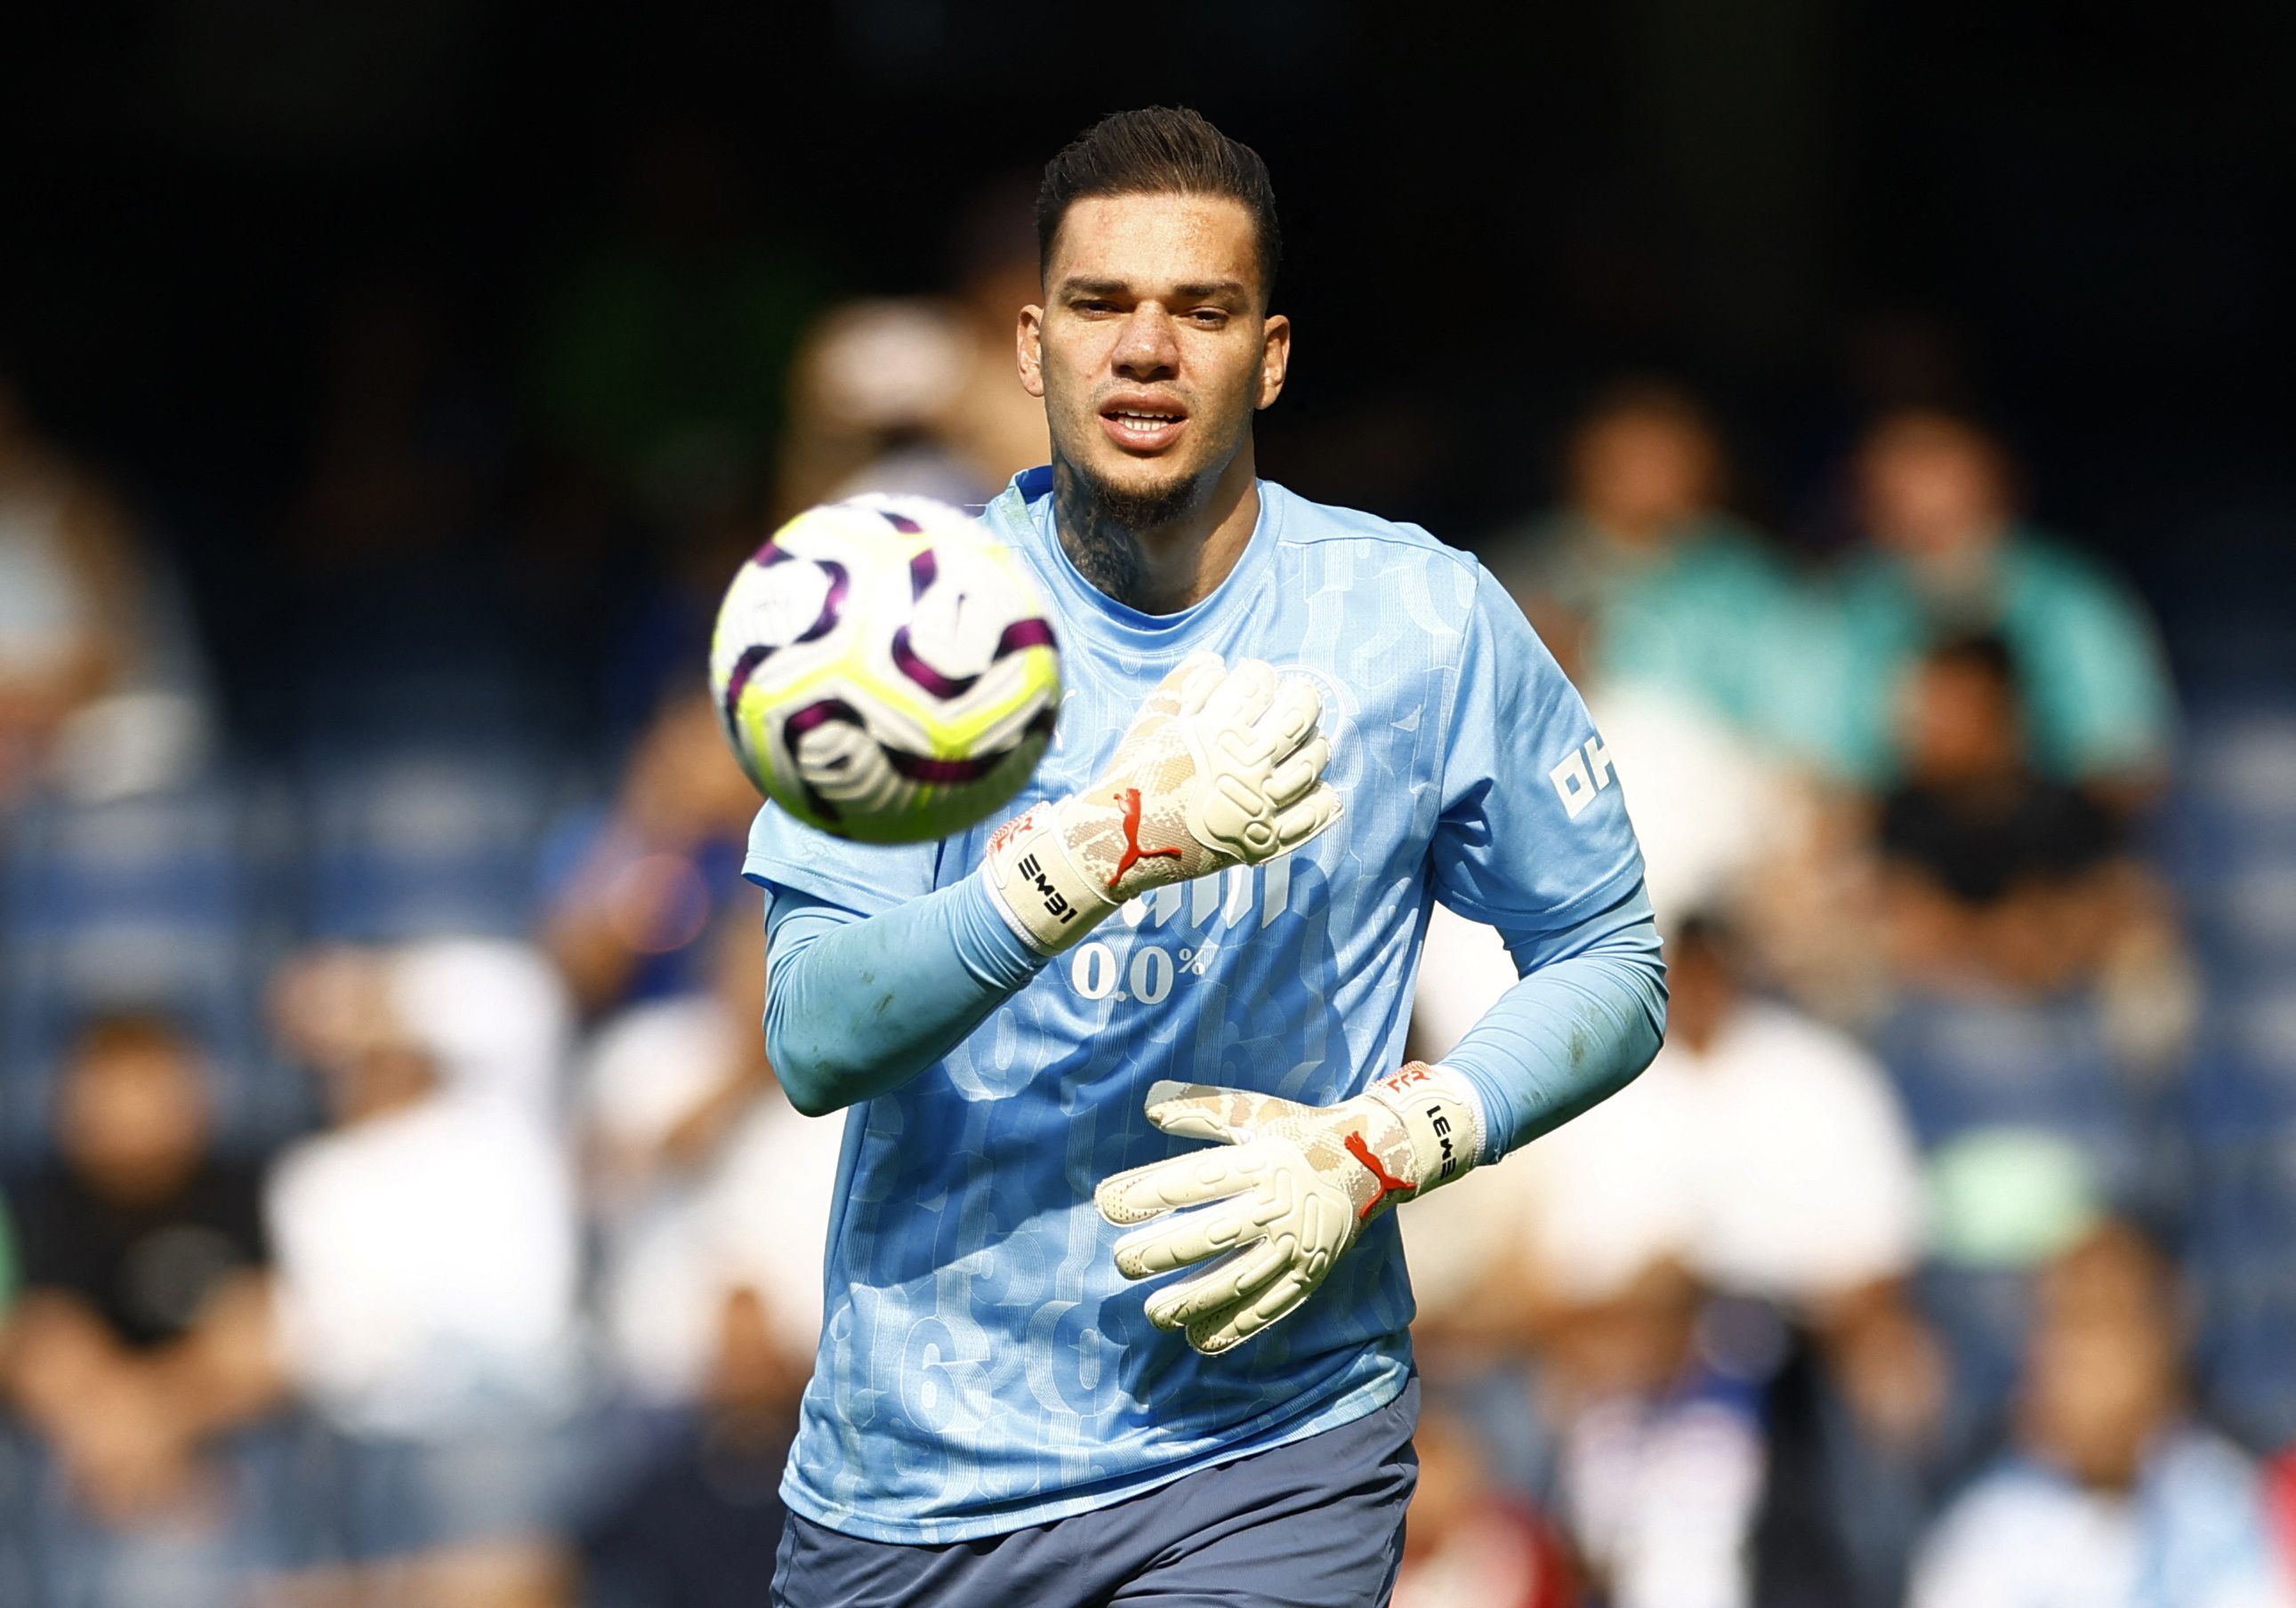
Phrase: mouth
(1143, 425)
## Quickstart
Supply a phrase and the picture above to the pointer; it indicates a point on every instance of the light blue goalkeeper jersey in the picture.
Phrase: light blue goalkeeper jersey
(983, 1367)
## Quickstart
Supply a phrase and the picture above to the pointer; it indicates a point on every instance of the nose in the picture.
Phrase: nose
(1146, 350)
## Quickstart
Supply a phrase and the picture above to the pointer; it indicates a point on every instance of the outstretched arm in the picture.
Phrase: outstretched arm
(1586, 1016)
(856, 1006)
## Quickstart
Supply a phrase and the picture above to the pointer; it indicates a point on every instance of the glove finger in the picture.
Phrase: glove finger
(1292, 715)
(1244, 696)
(1290, 780)
(1136, 1196)
(1192, 1237)
(1295, 824)
(1226, 1329)
(1219, 1289)
(1193, 680)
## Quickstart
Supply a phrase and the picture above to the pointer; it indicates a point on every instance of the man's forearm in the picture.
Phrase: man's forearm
(1572, 1033)
(856, 1006)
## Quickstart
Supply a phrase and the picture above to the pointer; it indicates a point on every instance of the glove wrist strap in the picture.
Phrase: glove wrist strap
(1439, 1110)
(1038, 888)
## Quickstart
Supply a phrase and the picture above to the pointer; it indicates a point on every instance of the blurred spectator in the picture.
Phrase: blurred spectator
(100, 681)
(712, 1199)
(2043, 992)
(1949, 554)
(145, 1330)
(1643, 578)
(1762, 1156)
(1763, 1151)
(637, 886)
(1659, 1461)
(701, 1528)
(1466, 1541)
(878, 397)
(703, 1177)
(1679, 624)
(923, 395)
(427, 1263)
(664, 1079)
(1972, 830)
(2113, 1498)
(658, 375)
(1997, 875)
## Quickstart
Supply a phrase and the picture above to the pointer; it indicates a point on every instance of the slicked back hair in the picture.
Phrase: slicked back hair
(1159, 151)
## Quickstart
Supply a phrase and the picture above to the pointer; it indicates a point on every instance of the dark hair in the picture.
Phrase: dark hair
(108, 1033)
(1159, 151)
(1645, 397)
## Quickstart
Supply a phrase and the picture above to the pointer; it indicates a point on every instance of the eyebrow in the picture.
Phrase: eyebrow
(1204, 289)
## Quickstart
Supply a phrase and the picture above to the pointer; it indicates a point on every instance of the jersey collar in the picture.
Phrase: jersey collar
(1023, 517)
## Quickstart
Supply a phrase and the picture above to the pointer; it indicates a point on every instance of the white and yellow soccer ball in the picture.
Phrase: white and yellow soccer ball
(885, 670)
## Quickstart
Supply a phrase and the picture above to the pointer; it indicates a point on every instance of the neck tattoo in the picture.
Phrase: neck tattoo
(1099, 526)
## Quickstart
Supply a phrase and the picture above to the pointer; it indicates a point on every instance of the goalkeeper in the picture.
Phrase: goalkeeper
(1115, 1306)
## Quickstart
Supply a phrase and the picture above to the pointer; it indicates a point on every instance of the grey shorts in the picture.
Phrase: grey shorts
(1314, 1525)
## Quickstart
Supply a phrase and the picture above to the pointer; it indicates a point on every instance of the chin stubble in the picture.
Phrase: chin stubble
(1099, 525)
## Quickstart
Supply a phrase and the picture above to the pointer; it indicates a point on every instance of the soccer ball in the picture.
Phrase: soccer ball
(884, 669)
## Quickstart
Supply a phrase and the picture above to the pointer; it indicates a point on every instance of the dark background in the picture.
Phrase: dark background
(2074, 219)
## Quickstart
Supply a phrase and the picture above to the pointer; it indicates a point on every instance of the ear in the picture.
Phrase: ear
(1029, 349)
(1275, 357)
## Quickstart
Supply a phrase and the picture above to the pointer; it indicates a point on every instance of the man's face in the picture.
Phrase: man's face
(133, 1119)
(1932, 488)
(1640, 470)
(1153, 348)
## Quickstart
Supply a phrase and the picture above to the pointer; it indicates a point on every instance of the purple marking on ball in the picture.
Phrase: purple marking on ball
(829, 711)
(902, 522)
(812, 717)
(745, 667)
(1024, 633)
(825, 622)
(832, 605)
(769, 554)
(907, 661)
(924, 571)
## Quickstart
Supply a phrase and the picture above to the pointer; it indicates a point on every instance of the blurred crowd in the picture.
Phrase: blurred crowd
(401, 1208)
(1905, 1273)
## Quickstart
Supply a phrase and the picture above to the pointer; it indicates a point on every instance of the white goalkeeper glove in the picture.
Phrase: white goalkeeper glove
(1220, 767)
(1293, 1190)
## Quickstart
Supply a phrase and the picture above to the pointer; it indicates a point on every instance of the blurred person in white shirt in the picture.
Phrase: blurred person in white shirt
(1763, 1151)
(702, 1179)
(1763, 1157)
(2113, 1497)
(427, 1258)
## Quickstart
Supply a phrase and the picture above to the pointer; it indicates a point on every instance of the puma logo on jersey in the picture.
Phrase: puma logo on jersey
(1578, 778)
